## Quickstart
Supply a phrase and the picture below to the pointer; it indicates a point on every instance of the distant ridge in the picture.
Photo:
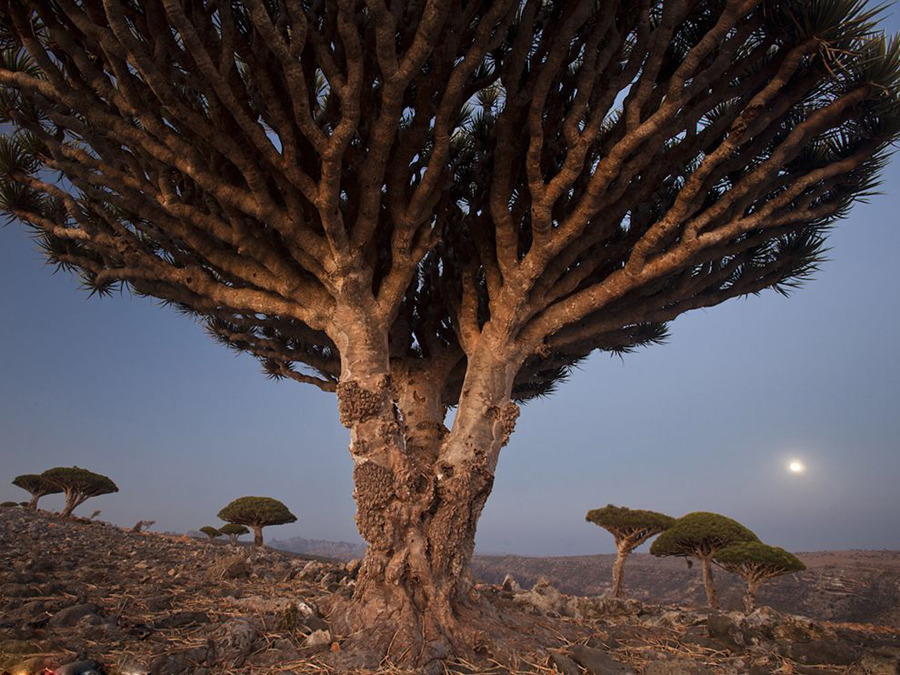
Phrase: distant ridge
(338, 550)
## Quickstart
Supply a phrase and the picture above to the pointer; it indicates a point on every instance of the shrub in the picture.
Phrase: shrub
(37, 486)
(257, 513)
(700, 535)
(8, 504)
(79, 485)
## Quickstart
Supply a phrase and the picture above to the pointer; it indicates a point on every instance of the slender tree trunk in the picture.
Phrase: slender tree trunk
(712, 598)
(32, 504)
(618, 571)
(750, 598)
(257, 535)
(419, 491)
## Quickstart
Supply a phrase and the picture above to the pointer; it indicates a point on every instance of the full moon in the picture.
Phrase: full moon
(796, 466)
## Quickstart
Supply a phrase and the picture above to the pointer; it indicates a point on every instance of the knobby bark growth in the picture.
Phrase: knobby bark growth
(418, 205)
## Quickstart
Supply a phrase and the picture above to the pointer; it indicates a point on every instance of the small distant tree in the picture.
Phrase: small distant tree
(79, 485)
(233, 531)
(8, 504)
(141, 524)
(37, 486)
(630, 528)
(757, 563)
(210, 532)
(701, 535)
(257, 513)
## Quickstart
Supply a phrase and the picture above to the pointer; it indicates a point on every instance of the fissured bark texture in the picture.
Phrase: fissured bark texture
(419, 490)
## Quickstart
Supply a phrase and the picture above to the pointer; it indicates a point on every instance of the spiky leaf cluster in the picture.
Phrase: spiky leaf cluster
(75, 479)
(700, 534)
(257, 512)
(757, 561)
(36, 485)
(635, 525)
(578, 174)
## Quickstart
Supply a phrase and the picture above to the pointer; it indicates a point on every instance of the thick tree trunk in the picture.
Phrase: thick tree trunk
(750, 598)
(419, 491)
(712, 598)
(32, 504)
(257, 535)
(618, 571)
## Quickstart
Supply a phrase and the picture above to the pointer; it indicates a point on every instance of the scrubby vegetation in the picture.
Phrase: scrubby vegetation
(630, 528)
(257, 513)
(757, 563)
(79, 485)
(701, 535)
(37, 486)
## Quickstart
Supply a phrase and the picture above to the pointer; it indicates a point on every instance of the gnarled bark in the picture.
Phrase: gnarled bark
(419, 490)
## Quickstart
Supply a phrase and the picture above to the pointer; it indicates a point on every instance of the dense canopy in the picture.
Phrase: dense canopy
(605, 166)
(700, 534)
(622, 522)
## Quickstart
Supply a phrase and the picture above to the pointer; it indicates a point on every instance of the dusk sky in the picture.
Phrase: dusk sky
(708, 421)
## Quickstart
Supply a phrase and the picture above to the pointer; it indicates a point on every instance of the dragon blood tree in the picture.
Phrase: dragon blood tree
(233, 531)
(630, 528)
(257, 513)
(419, 205)
(37, 486)
(210, 532)
(757, 563)
(78, 485)
(701, 535)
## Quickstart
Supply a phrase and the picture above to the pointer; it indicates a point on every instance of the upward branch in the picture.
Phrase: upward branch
(556, 177)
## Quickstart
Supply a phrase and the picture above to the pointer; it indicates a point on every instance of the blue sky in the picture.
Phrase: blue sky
(705, 422)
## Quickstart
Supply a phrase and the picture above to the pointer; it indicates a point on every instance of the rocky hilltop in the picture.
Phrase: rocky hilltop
(87, 598)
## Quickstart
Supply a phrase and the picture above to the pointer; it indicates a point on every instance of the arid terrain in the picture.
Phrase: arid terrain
(860, 586)
(84, 597)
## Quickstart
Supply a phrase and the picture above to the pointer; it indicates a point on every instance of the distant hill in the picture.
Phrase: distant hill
(855, 586)
(338, 550)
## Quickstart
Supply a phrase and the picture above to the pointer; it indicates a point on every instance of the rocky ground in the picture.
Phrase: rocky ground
(83, 597)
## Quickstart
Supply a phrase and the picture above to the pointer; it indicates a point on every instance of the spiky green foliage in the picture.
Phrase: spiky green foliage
(211, 532)
(753, 558)
(257, 511)
(700, 534)
(481, 172)
(37, 486)
(79, 485)
(625, 523)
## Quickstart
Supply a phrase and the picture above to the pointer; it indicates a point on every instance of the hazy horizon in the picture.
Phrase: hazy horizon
(706, 422)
